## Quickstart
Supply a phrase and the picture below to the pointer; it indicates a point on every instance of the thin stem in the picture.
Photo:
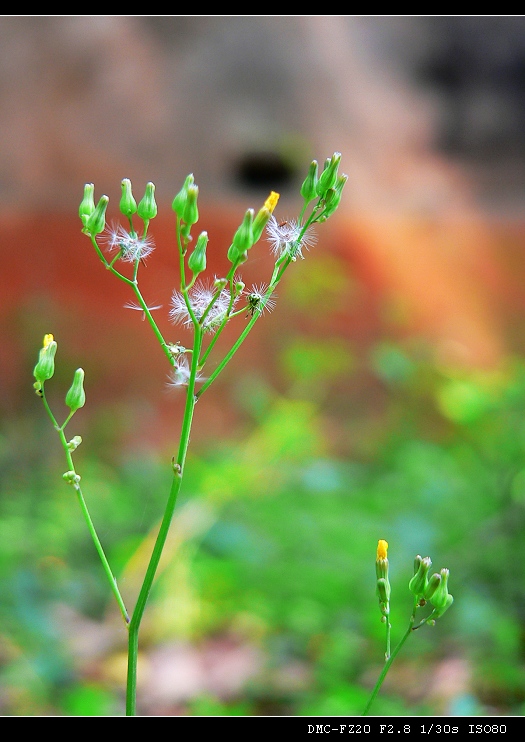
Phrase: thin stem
(391, 658)
(178, 467)
(93, 533)
(153, 324)
(388, 628)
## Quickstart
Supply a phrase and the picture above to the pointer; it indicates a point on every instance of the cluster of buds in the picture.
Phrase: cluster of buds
(327, 187)
(131, 248)
(426, 589)
(433, 589)
(250, 230)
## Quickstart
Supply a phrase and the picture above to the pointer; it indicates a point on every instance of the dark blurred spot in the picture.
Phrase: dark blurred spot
(263, 170)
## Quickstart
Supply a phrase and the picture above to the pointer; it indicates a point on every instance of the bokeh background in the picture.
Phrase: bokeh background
(383, 398)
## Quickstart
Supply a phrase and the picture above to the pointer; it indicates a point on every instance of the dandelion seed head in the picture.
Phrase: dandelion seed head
(200, 297)
(286, 237)
(131, 246)
(258, 300)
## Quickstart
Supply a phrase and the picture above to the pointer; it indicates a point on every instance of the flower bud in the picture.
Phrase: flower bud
(439, 611)
(87, 205)
(191, 211)
(419, 581)
(441, 599)
(147, 208)
(236, 257)
(179, 202)
(432, 585)
(76, 397)
(45, 368)
(383, 583)
(381, 559)
(243, 238)
(383, 593)
(220, 283)
(71, 477)
(74, 443)
(128, 205)
(308, 188)
(332, 197)
(328, 177)
(263, 215)
(197, 260)
(96, 223)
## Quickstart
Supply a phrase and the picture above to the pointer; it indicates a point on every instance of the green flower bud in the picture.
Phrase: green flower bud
(71, 477)
(96, 223)
(243, 237)
(220, 283)
(432, 586)
(45, 368)
(441, 599)
(74, 443)
(383, 583)
(328, 177)
(419, 581)
(128, 205)
(438, 612)
(308, 188)
(147, 208)
(191, 211)
(76, 397)
(197, 260)
(179, 202)
(87, 205)
(236, 257)
(332, 197)
(383, 593)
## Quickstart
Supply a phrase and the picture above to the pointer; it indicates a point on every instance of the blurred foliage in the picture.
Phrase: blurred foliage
(270, 573)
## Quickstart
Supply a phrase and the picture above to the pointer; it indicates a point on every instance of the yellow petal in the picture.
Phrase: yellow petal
(271, 201)
(382, 549)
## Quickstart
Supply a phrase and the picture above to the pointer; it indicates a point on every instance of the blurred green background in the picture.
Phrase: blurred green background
(266, 603)
(341, 422)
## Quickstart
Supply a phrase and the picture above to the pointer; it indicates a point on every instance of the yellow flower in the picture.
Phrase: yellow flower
(271, 202)
(382, 549)
(48, 339)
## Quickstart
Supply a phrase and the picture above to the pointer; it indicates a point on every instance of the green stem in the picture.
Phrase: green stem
(153, 324)
(83, 506)
(387, 666)
(134, 626)
(391, 658)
